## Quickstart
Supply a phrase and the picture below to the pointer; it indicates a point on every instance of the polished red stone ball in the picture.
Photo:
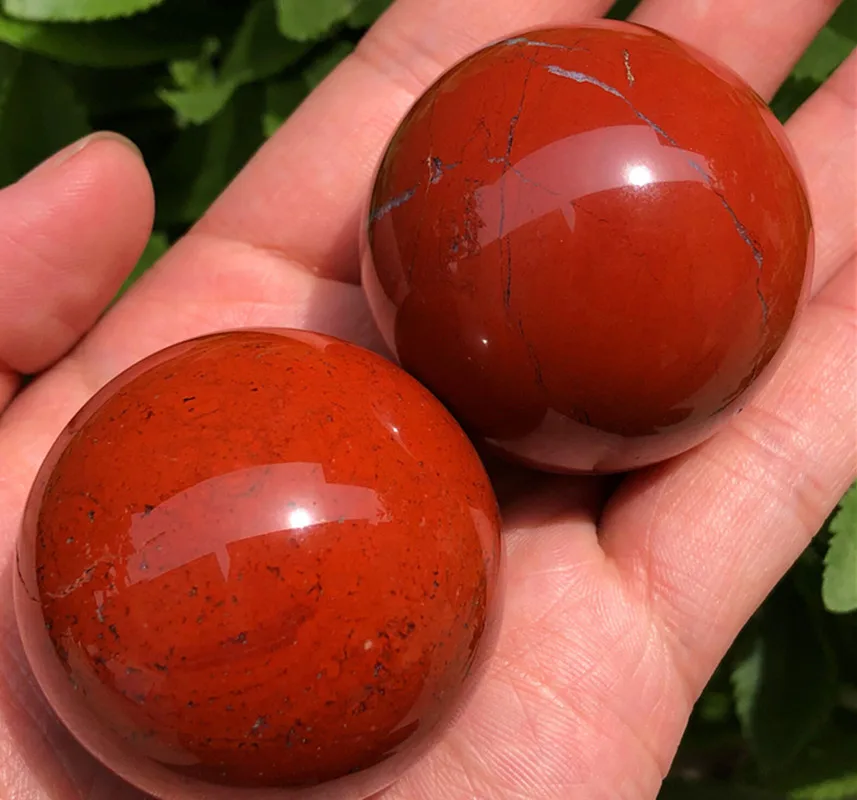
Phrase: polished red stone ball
(260, 559)
(591, 243)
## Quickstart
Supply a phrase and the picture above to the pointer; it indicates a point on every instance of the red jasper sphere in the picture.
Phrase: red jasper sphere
(589, 242)
(259, 559)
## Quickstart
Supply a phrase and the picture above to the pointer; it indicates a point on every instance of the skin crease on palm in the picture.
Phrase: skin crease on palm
(621, 598)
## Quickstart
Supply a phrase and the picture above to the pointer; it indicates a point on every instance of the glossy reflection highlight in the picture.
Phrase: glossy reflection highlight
(591, 243)
(263, 560)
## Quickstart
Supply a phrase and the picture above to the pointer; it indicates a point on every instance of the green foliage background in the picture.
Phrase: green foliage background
(200, 84)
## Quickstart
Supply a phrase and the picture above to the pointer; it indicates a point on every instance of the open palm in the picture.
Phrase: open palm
(622, 597)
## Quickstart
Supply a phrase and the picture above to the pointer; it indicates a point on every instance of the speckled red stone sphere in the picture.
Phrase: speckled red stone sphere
(589, 242)
(259, 559)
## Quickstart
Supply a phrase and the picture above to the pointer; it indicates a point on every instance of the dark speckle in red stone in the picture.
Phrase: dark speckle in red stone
(590, 242)
(259, 559)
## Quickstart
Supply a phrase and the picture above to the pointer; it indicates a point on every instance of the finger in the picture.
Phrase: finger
(70, 231)
(760, 41)
(304, 191)
(830, 168)
(244, 214)
(705, 537)
(41, 760)
(204, 306)
(226, 274)
(407, 49)
(200, 286)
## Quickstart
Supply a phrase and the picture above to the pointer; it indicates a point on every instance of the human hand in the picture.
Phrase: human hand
(621, 599)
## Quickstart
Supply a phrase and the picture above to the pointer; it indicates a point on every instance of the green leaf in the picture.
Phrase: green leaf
(844, 21)
(40, 115)
(841, 788)
(322, 66)
(257, 52)
(848, 698)
(157, 245)
(106, 92)
(198, 105)
(827, 51)
(844, 634)
(715, 707)
(281, 99)
(306, 22)
(622, 8)
(674, 789)
(203, 160)
(76, 10)
(10, 63)
(826, 771)
(785, 684)
(839, 588)
(791, 96)
(367, 12)
(100, 44)
(190, 73)
(200, 94)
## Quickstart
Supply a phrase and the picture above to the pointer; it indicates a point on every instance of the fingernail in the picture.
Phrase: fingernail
(77, 147)
(98, 136)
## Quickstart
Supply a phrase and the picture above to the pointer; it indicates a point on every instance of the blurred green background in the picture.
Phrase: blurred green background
(200, 84)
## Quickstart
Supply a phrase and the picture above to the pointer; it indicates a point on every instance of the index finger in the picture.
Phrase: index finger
(302, 194)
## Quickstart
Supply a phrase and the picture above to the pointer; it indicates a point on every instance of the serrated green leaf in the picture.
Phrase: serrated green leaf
(99, 44)
(322, 66)
(844, 21)
(199, 95)
(203, 160)
(191, 73)
(40, 115)
(157, 245)
(785, 685)
(76, 10)
(281, 99)
(839, 588)
(306, 22)
(827, 51)
(674, 789)
(367, 12)
(256, 53)
(199, 105)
